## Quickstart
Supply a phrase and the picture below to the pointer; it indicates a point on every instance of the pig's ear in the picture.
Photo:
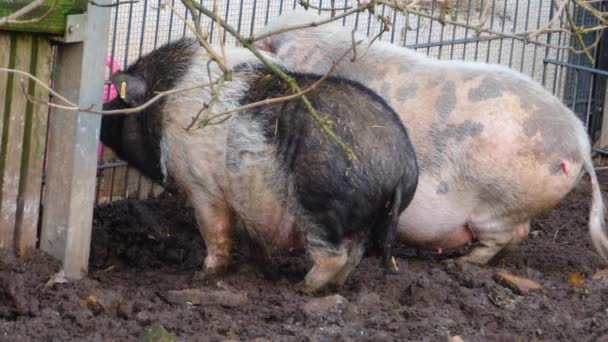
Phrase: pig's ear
(264, 44)
(132, 89)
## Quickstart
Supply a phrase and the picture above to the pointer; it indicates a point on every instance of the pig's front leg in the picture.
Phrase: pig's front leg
(215, 224)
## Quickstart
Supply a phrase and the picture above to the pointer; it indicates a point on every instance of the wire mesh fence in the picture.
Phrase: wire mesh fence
(137, 28)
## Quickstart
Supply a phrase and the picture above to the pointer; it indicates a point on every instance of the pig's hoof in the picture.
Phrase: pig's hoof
(302, 287)
(391, 271)
(215, 266)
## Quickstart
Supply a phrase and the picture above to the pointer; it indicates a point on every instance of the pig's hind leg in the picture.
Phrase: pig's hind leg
(496, 242)
(355, 253)
(327, 249)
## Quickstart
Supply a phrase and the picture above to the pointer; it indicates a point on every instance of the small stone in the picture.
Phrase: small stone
(157, 333)
(455, 339)
(200, 297)
(317, 307)
(225, 298)
(143, 317)
(193, 296)
(369, 299)
(381, 336)
(518, 284)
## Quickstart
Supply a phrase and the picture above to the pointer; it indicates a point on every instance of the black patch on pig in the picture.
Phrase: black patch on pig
(136, 137)
(557, 135)
(443, 188)
(337, 197)
(443, 136)
(406, 91)
(495, 84)
(446, 102)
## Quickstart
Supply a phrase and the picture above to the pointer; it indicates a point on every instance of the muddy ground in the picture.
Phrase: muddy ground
(144, 251)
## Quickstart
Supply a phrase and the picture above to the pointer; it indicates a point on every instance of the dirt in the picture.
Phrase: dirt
(143, 272)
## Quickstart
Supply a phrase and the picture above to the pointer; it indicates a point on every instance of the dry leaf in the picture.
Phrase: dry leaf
(518, 284)
(601, 275)
(576, 280)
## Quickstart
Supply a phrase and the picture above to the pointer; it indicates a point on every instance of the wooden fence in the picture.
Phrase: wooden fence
(22, 135)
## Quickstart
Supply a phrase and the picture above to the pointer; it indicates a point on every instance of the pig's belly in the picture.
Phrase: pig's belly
(436, 219)
(276, 228)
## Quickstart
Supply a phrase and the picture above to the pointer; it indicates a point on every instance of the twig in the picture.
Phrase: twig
(116, 4)
(555, 18)
(359, 8)
(220, 30)
(307, 5)
(33, 20)
(196, 19)
(74, 107)
(201, 40)
(208, 107)
(10, 19)
(39, 82)
(579, 37)
(266, 102)
(521, 36)
(247, 43)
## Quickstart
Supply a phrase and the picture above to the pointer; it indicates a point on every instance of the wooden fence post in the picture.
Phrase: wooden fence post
(70, 183)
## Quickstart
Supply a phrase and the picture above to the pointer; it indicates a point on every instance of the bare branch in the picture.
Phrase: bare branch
(275, 100)
(200, 38)
(116, 4)
(359, 8)
(74, 107)
(12, 18)
(247, 43)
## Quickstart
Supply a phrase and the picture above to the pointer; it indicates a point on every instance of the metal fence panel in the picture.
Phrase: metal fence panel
(137, 28)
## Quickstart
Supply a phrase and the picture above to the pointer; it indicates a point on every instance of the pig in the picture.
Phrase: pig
(494, 147)
(269, 169)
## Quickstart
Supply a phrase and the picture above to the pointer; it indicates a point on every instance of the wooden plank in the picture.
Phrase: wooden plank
(12, 141)
(5, 41)
(54, 23)
(70, 183)
(145, 188)
(28, 201)
(6, 233)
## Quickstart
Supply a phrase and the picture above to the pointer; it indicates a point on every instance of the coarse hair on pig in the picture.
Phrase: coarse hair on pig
(487, 138)
(273, 169)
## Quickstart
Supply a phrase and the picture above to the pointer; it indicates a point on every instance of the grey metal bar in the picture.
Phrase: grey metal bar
(456, 41)
(157, 22)
(577, 67)
(489, 48)
(454, 28)
(523, 48)
(70, 188)
(466, 31)
(504, 15)
(514, 30)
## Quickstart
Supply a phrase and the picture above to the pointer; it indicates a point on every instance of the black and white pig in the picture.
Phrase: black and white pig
(272, 168)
